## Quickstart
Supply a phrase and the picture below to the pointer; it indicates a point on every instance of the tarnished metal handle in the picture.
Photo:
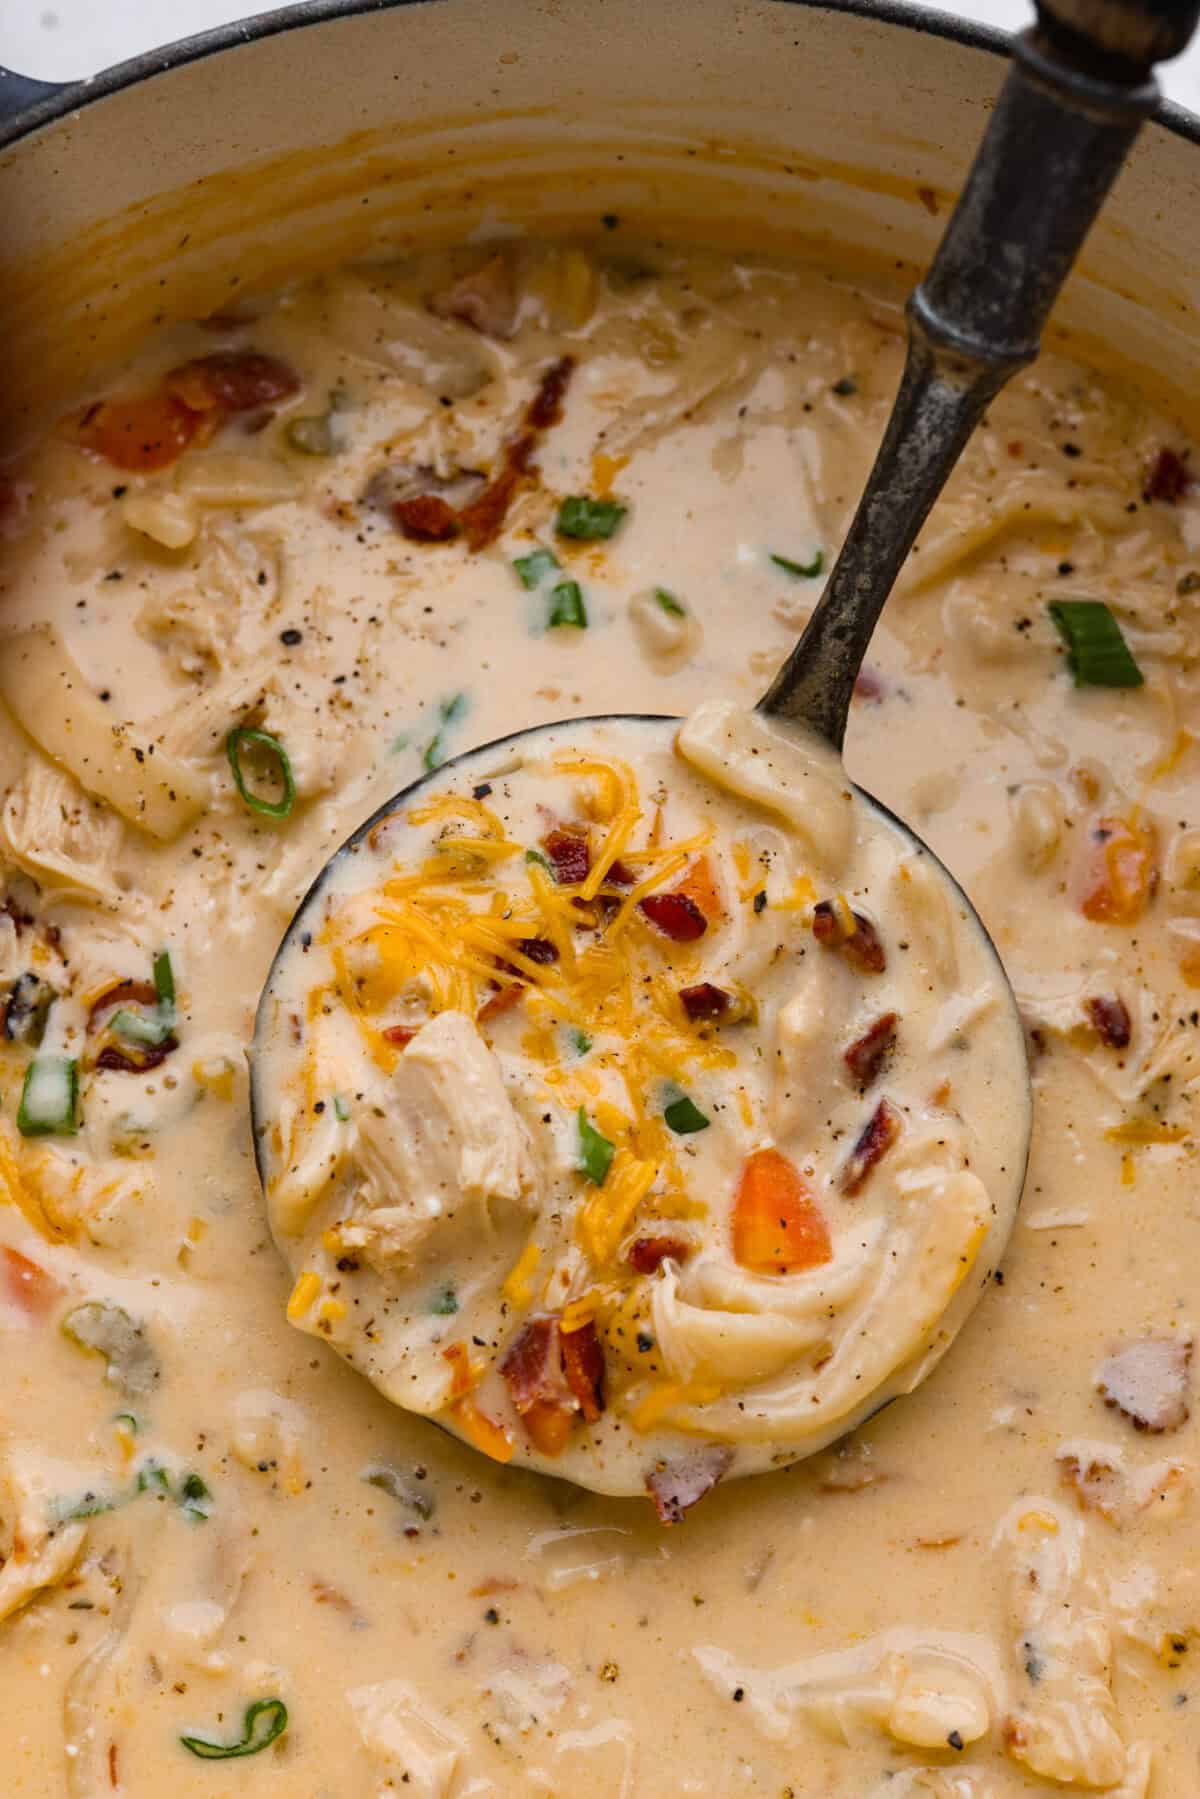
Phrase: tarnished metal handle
(1066, 117)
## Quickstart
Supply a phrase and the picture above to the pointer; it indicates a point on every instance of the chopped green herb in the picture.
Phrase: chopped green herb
(129, 1421)
(580, 1041)
(567, 607)
(164, 981)
(535, 568)
(243, 735)
(450, 711)
(341, 1110)
(542, 861)
(595, 1152)
(589, 519)
(445, 1303)
(1097, 654)
(88, 1505)
(265, 1720)
(402, 742)
(684, 1117)
(195, 1500)
(669, 603)
(152, 1477)
(49, 1098)
(806, 571)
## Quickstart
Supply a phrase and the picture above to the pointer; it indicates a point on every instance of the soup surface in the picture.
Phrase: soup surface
(267, 574)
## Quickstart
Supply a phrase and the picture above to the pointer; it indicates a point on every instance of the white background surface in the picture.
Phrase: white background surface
(60, 40)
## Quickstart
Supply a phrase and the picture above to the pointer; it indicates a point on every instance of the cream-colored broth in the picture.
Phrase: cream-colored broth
(1001, 1560)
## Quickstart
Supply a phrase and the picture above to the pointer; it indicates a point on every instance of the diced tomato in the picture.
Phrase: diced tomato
(141, 433)
(232, 381)
(777, 1226)
(26, 1284)
(583, 1365)
(1120, 873)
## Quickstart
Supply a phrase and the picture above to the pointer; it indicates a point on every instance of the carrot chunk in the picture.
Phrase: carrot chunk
(26, 1284)
(777, 1226)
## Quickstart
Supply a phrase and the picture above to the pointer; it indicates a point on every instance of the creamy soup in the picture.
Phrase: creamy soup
(262, 579)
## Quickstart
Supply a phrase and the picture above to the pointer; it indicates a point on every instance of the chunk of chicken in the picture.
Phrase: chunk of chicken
(35, 1554)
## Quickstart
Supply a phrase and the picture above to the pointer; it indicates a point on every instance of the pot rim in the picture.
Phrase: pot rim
(72, 97)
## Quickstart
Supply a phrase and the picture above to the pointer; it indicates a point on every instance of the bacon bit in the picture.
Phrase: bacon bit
(1168, 478)
(699, 885)
(1148, 1383)
(141, 433)
(646, 1255)
(399, 1034)
(879, 1133)
(569, 855)
(928, 200)
(1121, 876)
(676, 1486)
(868, 1055)
(232, 381)
(326, 1595)
(1096, 1481)
(777, 1226)
(676, 915)
(426, 518)
(620, 876)
(538, 949)
(114, 1777)
(530, 1367)
(1016, 449)
(483, 519)
(869, 685)
(583, 1365)
(1110, 1016)
(485, 299)
(861, 948)
(139, 1061)
(500, 1003)
(27, 1284)
(704, 1002)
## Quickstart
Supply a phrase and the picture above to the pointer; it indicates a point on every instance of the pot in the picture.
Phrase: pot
(175, 183)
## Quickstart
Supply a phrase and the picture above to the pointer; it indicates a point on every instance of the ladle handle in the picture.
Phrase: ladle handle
(1078, 93)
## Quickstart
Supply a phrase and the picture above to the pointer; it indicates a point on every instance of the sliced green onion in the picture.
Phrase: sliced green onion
(49, 1098)
(389, 1480)
(669, 603)
(129, 1421)
(580, 1041)
(265, 1720)
(595, 1152)
(341, 1110)
(1097, 654)
(244, 734)
(567, 607)
(542, 861)
(684, 1117)
(150, 1028)
(450, 711)
(800, 570)
(164, 979)
(535, 568)
(88, 1505)
(589, 519)
(152, 1477)
(195, 1500)
(445, 1303)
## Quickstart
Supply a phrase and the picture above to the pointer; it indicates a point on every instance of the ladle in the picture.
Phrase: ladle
(1072, 105)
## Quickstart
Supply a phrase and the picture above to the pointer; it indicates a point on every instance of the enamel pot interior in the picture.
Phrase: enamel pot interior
(254, 155)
